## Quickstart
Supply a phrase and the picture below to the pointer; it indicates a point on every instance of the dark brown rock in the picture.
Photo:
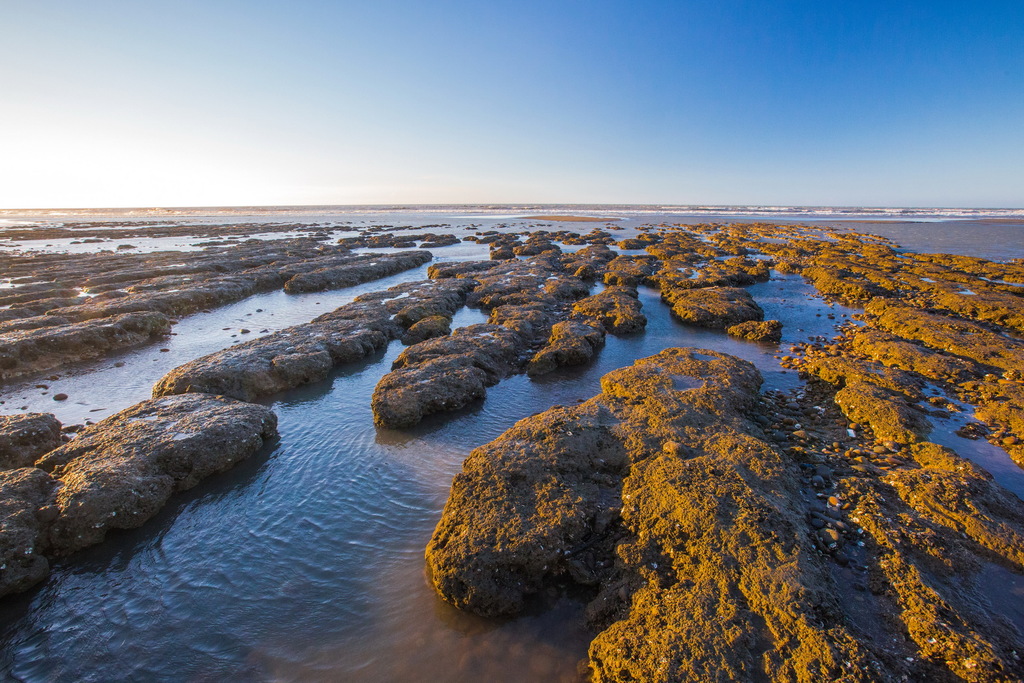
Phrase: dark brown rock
(26, 352)
(26, 495)
(571, 343)
(23, 438)
(446, 373)
(359, 269)
(117, 473)
(427, 328)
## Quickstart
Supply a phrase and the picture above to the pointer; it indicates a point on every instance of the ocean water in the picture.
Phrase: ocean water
(992, 233)
(306, 562)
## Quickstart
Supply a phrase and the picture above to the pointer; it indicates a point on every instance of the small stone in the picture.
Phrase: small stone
(60, 397)
(830, 538)
(672, 448)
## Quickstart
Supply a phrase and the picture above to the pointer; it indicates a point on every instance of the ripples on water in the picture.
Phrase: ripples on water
(306, 562)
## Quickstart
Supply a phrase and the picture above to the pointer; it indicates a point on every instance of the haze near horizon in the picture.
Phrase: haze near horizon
(117, 104)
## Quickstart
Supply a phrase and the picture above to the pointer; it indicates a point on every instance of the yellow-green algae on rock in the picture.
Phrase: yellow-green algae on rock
(692, 529)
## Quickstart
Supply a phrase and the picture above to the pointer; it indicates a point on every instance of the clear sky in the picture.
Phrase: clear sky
(224, 102)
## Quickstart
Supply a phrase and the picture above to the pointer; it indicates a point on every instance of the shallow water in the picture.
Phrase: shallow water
(98, 389)
(306, 562)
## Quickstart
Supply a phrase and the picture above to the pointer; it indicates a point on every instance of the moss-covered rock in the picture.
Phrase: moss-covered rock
(769, 331)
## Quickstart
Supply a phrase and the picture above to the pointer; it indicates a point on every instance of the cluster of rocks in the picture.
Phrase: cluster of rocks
(139, 300)
(56, 498)
(95, 232)
(714, 553)
(881, 370)
(307, 353)
(540, 319)
(448, 373)
(369, 239)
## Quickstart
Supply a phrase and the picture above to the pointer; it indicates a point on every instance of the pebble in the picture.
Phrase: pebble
(830, 537)
(60, 397)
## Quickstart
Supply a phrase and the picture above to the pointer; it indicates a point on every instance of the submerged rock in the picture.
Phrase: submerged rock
(23, 438)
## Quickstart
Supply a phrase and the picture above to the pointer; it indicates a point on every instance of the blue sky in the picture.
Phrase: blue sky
(730, 102)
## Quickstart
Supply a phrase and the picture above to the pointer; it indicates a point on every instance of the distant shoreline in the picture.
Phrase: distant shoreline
(570, 219)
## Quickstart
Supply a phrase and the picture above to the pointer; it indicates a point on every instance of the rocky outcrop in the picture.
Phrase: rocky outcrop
(888, 413)
(25, 352)
(307, 353)
(117, 473)
(713, 307)
(360, 269)
(25, 437)
(616, 309)
(571, 343)
(427, 328)
(894, 352)
(769, 331)
(445, 374)
(952, 335)
(709, 560)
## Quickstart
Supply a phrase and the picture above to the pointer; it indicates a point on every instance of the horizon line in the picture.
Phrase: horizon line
(671, 205)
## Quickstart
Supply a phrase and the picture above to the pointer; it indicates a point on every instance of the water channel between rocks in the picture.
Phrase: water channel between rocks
(306, 562)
